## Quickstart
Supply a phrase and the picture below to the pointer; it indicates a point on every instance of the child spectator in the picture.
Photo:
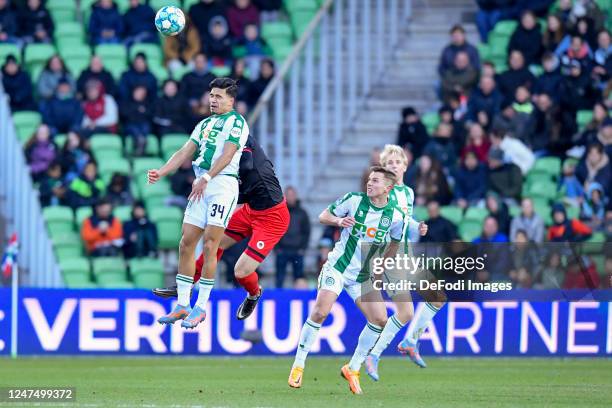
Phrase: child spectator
(569, 184)
(100, 109)
(102, 232)
(86, 189)
(412, 133)
(63, 112)
(105, 23)
(136, 119)
(470, 181)
(241, 14)
(138, 75)
(74, 156)
(139, 234)
(118, 192)
(254, 47)
(181, 49)
(96, 71)
(40, 151)
(593, 208)
(54, 71)
(137, 27)
(564, 230)
(169, 111)
(17, 85)
(35, 23)
(52, 188)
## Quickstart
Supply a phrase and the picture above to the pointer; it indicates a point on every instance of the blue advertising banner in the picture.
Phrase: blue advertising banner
(110, 322)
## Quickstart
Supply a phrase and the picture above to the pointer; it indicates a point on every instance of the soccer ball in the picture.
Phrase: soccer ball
(170, 20)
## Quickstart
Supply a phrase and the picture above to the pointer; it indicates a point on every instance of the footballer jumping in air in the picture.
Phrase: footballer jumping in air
(216, 143)
(264, 217)
(365, 218)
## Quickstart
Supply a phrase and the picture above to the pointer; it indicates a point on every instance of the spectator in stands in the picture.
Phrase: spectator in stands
(292, 246)
(35, 23)
(138, 75)
(412, 133)
(52, 187)
(485, 98)
(429, 183)
(139, 234)
(219, 45)
(268, 9)
(105, 23)
(581, 274)
(592, 129)
(441, 146)
(266, 73)
(63, 112)
(239, 74)
(254, 48)
(575, 48)
(593, 208)
(17, 85)
(137, 27)
(605, 136)
(491, 233)
(602, 59)
(595, 167)
(458, 44)
(200, 109)
(8, 23)
(529, 222)
(40, 152)
(241, 14)
(511, 122)
(527, 38)
(137, 115)
(545, 125)
(180, 184)
(550, 80)
(478, 143)
(554, 33)
(202, 14)
(54, 71)
(569, 185)
(86, 189)
(489, 13)
(505, 179)
(374, 161)
(552, 274)
(96, 71)
(498, 210)
(101, 112)
(564, 230)
(525, 260)
(181, 49)
(195, 83)
(118, 192)
(470, 181)
(102, 232)
(74, 156)
(586, 30)
(516, 75)
(515, 151)
(439, 228)
(169, 110)
(459, 78)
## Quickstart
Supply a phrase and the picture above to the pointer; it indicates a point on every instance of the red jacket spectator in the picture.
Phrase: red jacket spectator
(102, 232)
(564, 230)
(581, 275)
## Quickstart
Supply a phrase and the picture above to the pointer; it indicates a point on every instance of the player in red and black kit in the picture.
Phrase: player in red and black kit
(263, 217)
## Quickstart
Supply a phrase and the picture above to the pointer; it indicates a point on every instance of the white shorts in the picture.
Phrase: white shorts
(217, 206)
(332, 280)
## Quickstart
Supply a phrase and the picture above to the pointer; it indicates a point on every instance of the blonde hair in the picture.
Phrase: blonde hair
(390, 150)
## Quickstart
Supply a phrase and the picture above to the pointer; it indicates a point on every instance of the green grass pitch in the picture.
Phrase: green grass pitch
(262, 382)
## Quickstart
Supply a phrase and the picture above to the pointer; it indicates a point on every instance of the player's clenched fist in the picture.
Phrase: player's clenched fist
(153, 176)
(346, 222)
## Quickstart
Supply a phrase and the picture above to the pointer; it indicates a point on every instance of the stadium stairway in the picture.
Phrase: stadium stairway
(409, 81)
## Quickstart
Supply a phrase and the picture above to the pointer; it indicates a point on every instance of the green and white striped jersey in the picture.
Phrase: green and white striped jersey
(403, 196)
(211, 134)
(375, 225)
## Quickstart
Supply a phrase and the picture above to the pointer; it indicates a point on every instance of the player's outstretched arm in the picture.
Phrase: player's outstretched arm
(327, 218)
(179, 157)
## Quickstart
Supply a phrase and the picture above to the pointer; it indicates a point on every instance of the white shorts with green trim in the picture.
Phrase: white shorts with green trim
(332, 280)
(217, 206)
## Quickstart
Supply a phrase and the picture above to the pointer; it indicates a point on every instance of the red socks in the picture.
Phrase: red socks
(200, 265)
(250, 283)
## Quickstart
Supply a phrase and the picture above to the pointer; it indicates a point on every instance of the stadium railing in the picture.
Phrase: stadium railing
(315, 96)
(21, 207)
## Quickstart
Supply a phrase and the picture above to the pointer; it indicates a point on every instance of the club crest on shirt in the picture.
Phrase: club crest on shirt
(385, 221)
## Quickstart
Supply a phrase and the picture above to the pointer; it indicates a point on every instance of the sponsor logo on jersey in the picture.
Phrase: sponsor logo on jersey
(361, 231)
(235, 132)
(385, 221)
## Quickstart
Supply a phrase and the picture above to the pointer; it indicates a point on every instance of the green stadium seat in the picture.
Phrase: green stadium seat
(600, 264)
(542, 189)
(157, 4)
(169, 235)
(452, 213)
(81, 214)
(505, 27)
(537, 176)
(300, 20)
(146, 265)
(61, 5)
(111, 280)
(60, 140)
(153, 52)
(149, 280)
(159, 190)
(542, 208)
(27, 118)
(75, 266)
(572, 212)
(67, 250)
(221, 71)
(583, 117)
(58, 214)
(62, 15)
(281, 52)
(106, 141)
(76, 281)
(476, 214)
(469, 230)
(498, 46)
(483, 51)
(239, 51)
(151, 149)
(63, 43)
(117, 165)
(9, 49)
(172, 142)
(111, 53)
(143, 164)
(71, 29)
(514, 210)
(56, 228)
(124, 213)
(108, 265)
(75, 51)
(420, 213)
(103, 155)
(38, 54)
(172, 214)
(551, 165)
(430, 120)
(76, 65)
(300, 5)
(277, 30)
(159, 72)
(594, 244)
